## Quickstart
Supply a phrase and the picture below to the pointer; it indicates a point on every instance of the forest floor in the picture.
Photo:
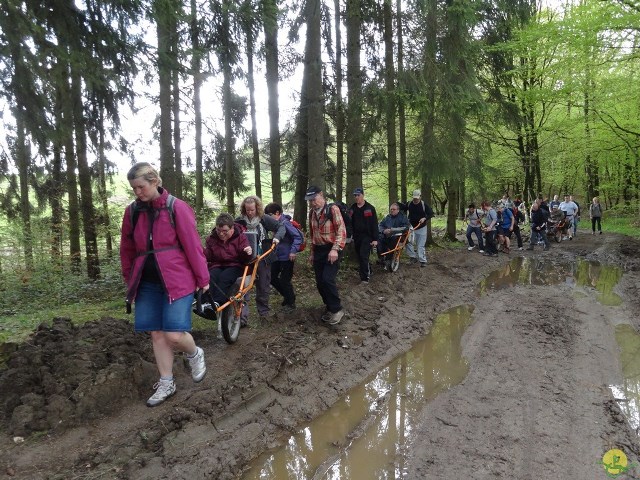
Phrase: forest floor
(535, 402)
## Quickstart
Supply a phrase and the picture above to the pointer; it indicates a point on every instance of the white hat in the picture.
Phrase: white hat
(417, 194)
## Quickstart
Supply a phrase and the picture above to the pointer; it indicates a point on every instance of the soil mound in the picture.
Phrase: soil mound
(66, 375)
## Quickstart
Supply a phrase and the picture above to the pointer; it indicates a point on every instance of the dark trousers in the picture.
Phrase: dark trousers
(281, 274)
(326, 274)
(490, 241)
(362, 244)
(221, 280)
(478, 233)
(516, 231)
(593, 224)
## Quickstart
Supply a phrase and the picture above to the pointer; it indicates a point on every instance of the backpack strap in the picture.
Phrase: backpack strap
(134, 211)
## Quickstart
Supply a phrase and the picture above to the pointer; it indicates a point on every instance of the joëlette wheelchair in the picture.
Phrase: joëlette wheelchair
(228, 314)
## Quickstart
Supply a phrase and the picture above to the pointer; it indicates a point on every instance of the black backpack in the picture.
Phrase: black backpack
(135, 208)
(346, 216)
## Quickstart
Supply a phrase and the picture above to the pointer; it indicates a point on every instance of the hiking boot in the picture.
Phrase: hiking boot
(570, 237)
(326, 316)
(164, 389)
(335, 318)
(286, 309)
(197, 365)
(471, 248)
(423, 264)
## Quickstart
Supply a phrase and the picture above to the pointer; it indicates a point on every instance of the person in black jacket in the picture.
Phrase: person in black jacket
(365, 232)
(538, 227)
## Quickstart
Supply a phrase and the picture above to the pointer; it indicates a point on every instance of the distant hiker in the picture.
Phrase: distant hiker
(570, 210)
(286, 251)
(419, 212)
(576, 217)
(253, 217)
(505, 228)
(328, 235)
(554, 202)
(227, 251)
(538, 227)
(163, 265)
(365, 232)
(473, 217)
(595, 214)
(489, 228)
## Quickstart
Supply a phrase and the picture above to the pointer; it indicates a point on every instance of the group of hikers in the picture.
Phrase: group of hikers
(499, 223)
(164, 262)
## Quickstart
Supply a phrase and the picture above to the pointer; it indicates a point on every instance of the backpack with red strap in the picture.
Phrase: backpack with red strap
(303, 245)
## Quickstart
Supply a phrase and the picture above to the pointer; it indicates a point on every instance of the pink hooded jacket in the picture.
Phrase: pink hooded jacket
(178, 250)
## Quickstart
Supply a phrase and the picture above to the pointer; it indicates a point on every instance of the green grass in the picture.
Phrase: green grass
(625, 225)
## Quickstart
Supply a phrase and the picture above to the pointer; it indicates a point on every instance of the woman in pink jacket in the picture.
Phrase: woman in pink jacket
(163, 265)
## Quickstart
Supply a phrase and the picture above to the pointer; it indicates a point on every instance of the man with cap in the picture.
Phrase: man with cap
(328, 235)
(365, 232)
(419, 213)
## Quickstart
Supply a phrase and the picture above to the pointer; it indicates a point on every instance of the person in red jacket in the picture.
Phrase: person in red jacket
(227, 251)
(163, 265)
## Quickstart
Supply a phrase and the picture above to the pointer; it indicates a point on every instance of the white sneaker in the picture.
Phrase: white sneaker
(471, 248)
(481, 251)
(197, 365)
(164, 389)
(520, 248)
(336, 317)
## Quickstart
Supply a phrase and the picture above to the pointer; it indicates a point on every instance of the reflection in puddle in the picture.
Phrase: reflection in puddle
(532, 271)
(365, 434)
(628, 393)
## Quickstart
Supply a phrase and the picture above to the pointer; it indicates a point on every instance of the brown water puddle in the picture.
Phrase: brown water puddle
(584, 276)
(627, 394)
(366, 433)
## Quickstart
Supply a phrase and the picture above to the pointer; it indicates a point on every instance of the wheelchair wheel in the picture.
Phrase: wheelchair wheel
(395, 261)
(230, 322)
(558, 235)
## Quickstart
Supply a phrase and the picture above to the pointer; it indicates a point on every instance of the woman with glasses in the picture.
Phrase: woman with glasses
(227, 251)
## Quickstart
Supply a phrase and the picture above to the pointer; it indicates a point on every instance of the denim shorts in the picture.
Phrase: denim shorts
(153, 312)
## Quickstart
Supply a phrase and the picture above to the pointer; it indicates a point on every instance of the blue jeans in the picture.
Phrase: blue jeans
(420, 237)
(478, 233)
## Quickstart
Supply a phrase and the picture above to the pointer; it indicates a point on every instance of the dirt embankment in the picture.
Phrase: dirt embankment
(77, 395)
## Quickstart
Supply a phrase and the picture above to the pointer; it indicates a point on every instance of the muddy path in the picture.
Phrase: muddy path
(534, 403)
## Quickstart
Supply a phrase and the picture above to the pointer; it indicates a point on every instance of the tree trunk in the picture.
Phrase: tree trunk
(252, 105)
(72, 182)
(314, 97)
(197, 104)
(271, 61)
(401, 109)
(175, 103)
(102, 184)
(390, 88)
(354, 86)
(302, 178)
(23, 161)
(339, 105)
(84, 176)
(163, 10)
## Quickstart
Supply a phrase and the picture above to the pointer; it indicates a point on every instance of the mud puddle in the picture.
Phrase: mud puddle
(627, 394)
(367, 433)
(587, 277)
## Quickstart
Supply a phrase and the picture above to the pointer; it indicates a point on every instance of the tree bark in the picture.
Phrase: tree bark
(354, 86)
(271, 60)
(162, 12)
(390, 89)
(340, 126)
(314, 97)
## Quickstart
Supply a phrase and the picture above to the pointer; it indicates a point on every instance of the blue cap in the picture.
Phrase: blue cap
(358, 191)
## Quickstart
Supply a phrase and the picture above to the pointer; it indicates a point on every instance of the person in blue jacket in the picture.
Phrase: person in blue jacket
(395, 222)
(286, 251)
